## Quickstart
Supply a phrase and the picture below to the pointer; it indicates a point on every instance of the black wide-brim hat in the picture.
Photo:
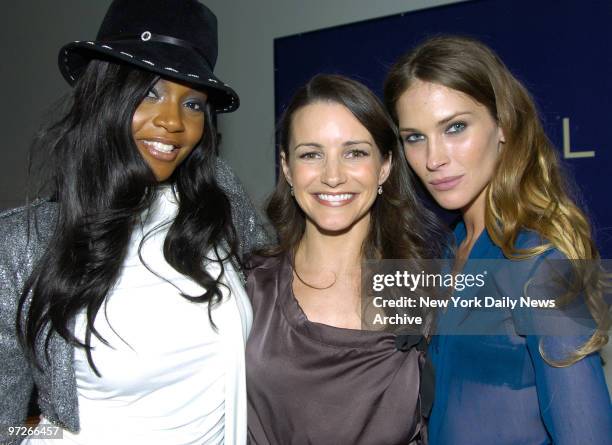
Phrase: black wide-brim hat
(176, 39)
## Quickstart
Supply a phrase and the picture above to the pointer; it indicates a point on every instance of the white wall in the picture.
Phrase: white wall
(247, 30)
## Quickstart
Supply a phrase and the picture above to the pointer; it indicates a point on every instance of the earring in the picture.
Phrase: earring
(380, 189)
(292, 192)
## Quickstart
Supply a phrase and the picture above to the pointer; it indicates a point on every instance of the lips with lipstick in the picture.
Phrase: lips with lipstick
(334, 199)
(164, 151)
(446, 183)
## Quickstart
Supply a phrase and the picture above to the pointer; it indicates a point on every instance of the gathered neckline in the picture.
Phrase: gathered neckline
(320, 332)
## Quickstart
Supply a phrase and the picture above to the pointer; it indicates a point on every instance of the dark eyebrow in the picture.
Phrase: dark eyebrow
(446, 120)
(307, 144)
(440, 123)
(197, 94)
(316, 145)
(350, 143)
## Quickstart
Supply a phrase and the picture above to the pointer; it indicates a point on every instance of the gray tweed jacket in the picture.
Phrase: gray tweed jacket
(22, 241)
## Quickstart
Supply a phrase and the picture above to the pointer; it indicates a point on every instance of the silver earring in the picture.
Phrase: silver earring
(380, 189)
(292, 192)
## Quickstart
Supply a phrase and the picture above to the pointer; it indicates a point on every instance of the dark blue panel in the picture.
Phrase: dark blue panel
(560, 49)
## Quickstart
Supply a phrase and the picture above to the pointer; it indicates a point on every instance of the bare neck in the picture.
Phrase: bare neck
(338, 253)
(474, 220)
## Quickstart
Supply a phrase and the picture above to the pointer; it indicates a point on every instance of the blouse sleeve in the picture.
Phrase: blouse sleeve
(16, 381)
(574, 400)
(248, 224)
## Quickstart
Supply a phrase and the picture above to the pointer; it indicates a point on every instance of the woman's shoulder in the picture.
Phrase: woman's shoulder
(26, 227)
(526, 265)
(20, 215)
(250, 230)
(264, 277)
(530, 239)
(258, 263)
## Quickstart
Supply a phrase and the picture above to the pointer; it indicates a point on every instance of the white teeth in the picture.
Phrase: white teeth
(164, 148)
(335, 198)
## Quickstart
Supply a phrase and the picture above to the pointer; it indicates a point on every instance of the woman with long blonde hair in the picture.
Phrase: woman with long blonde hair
(472, 134)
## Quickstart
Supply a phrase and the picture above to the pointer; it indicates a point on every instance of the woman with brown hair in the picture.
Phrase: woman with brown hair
(345, 195)
(472, 134)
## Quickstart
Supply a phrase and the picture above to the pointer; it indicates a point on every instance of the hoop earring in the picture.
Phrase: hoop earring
(380, 190)
(292, 192)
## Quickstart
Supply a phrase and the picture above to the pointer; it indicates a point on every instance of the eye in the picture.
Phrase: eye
(357, 153)
(195, 105)
(310, 155)
(456, 127)
(413, 138)
(152, 94)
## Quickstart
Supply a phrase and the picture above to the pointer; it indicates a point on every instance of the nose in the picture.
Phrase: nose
(333, 172)
(169, 116)
(437, 154)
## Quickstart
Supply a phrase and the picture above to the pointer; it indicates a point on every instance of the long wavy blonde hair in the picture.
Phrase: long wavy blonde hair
(528, 189)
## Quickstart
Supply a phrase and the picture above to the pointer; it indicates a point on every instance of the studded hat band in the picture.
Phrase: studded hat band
(148, 36)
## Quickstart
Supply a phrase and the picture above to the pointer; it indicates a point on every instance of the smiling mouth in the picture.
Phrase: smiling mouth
(160, 146)
(161, 151)
(335, 199)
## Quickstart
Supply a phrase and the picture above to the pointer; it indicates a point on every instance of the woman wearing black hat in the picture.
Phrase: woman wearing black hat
(132, 315)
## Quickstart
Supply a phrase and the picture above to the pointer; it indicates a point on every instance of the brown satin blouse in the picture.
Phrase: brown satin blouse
(310, 383)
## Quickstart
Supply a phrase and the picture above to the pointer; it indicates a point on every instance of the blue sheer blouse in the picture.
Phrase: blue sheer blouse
(498, 390)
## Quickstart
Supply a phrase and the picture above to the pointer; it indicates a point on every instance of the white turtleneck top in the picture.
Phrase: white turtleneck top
(167, 376)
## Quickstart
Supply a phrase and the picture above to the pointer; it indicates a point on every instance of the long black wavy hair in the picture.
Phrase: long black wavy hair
(102, 186)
